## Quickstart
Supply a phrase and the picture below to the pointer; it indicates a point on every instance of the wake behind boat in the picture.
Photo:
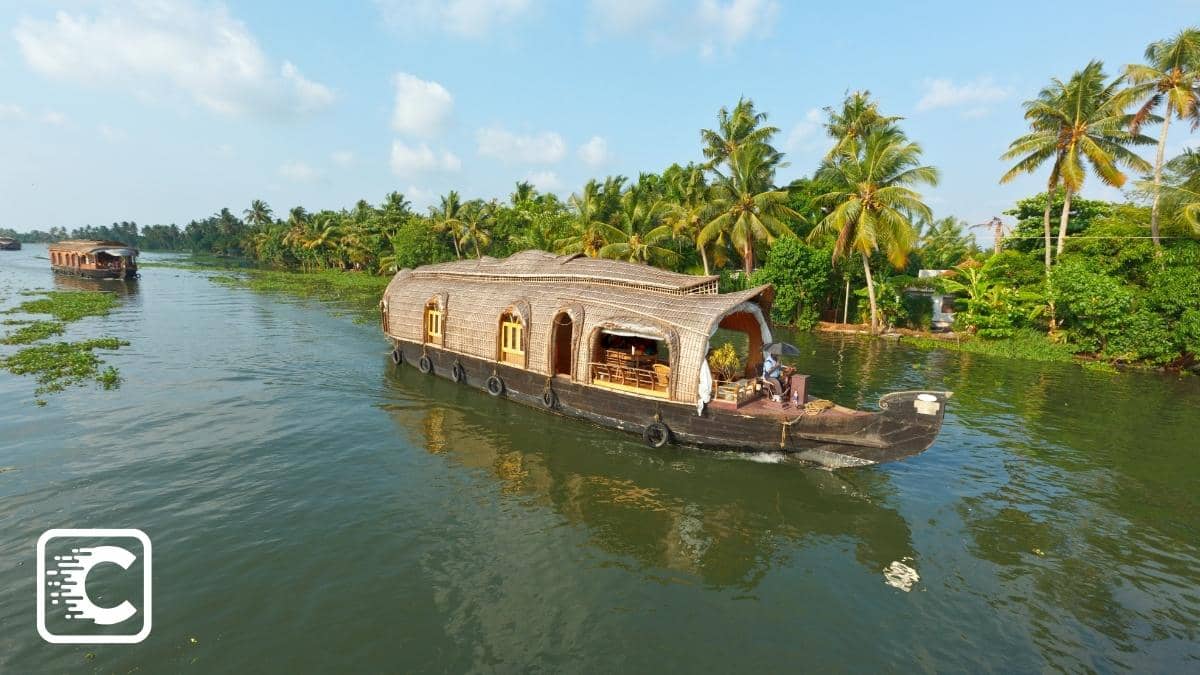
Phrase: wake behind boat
(626, 346)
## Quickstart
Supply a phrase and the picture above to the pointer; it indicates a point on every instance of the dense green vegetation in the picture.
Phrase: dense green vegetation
(1113, 281)
(59, 365)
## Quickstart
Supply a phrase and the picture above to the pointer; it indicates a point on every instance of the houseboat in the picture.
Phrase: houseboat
(626, 346)
(9, 244)
(97, 259)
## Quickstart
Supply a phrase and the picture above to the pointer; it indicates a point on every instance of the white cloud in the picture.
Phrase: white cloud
(622, 17)
(11, 112)
(595, 151)
(806, 133)
(110, 134)
(464, 18)
(544, 181)
(169, 49)
(940, 92)
(299, 172)
(419, 197)
(725, 24)
(342, 157)
(411, 160)
(54, 118)
(422, 107)
(546, 147)
(710, 26)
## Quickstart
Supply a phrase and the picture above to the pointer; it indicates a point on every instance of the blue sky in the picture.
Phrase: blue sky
(167, 110)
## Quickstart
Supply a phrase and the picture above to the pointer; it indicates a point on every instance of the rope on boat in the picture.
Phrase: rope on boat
(817, 406)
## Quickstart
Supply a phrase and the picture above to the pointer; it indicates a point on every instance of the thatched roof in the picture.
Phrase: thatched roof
(596, 294)
(89, 246)
(540, 265)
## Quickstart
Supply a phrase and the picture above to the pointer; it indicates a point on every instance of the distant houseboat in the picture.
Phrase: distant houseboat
(9, 244)
(97, 259)
(624, 346)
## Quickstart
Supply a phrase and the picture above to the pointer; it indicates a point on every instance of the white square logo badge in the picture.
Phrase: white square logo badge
(114, 564)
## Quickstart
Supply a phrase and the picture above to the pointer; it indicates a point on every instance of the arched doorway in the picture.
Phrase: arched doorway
(562, 354)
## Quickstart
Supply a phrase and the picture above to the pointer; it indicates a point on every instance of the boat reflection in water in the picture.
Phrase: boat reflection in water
(722, 517)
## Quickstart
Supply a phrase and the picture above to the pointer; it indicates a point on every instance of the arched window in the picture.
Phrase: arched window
(433, 323)
(512, 334)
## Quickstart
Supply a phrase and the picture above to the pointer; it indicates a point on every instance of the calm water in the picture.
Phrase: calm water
(313, 510)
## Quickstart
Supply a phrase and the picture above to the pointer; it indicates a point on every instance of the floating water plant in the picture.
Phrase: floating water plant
(32, 331)
(68, 305)
(59, 365)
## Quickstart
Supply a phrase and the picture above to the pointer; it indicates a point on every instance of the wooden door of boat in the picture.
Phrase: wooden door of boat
(563, 355)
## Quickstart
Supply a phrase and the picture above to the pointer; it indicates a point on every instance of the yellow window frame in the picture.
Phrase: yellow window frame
(433, 323)
(511, 336)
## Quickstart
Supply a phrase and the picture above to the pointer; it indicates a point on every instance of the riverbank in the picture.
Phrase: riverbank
(1026, 345)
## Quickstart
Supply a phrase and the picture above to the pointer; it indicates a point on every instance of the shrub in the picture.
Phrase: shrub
(801, 275)
(724, 362)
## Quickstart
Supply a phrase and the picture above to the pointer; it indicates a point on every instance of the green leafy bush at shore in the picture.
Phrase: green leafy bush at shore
(801, 275)
(1021, 344)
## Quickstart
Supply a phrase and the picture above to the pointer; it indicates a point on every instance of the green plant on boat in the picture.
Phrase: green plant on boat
(32, 331)
(59, 365)
(68, 305)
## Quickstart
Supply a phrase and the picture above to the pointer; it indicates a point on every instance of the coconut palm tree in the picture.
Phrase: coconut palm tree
(1039, 146)
(476, 218)
(857, 119)
(524, 192)
(736, 128)
(640, 234)
(447, 218)
(589, 232)
(1171, 78)
(745, 210)
(1092, 130)
(1181, 189)
(259, 214)
(691, 212)
(872, 201)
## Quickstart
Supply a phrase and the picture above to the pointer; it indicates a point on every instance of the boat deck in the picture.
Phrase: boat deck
(764, 407)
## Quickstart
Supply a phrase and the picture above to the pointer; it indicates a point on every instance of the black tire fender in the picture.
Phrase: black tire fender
(425, 365)
(495, 386)
(458, 373)
(656, 434)
(550, 399)
(397, 356)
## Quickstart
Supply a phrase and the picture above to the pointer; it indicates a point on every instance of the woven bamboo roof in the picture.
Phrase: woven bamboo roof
(88, 245)
(538, 265)
(595, 294)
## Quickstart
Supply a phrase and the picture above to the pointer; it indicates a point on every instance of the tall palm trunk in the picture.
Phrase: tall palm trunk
(871, 294)
(1158, 162)
(1062, 222)
(704, 259)
(748, 260)
(454, 238)
(1046, 225)
(478, 254)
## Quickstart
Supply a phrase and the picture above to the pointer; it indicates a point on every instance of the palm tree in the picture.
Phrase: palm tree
(1039, 146)
(747, 211)
(1181, 188)
(1170, 77)
(740, 127)
(590, 232)
(640, 234)
(1092, 127)
(857, 119)
(447, 218)
(688, 216)
(476, 218)
(259, 214)
(872, 201)
(524, 192)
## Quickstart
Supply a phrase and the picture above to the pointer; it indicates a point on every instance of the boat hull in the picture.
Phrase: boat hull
(10, 246)
(127, 273)
(905, 425)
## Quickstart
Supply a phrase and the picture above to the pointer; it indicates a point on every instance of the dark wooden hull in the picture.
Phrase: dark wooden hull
(834, 438)
(10, 246)
(127, 273)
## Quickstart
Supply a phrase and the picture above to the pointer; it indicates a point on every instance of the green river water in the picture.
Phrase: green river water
(314, 509)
